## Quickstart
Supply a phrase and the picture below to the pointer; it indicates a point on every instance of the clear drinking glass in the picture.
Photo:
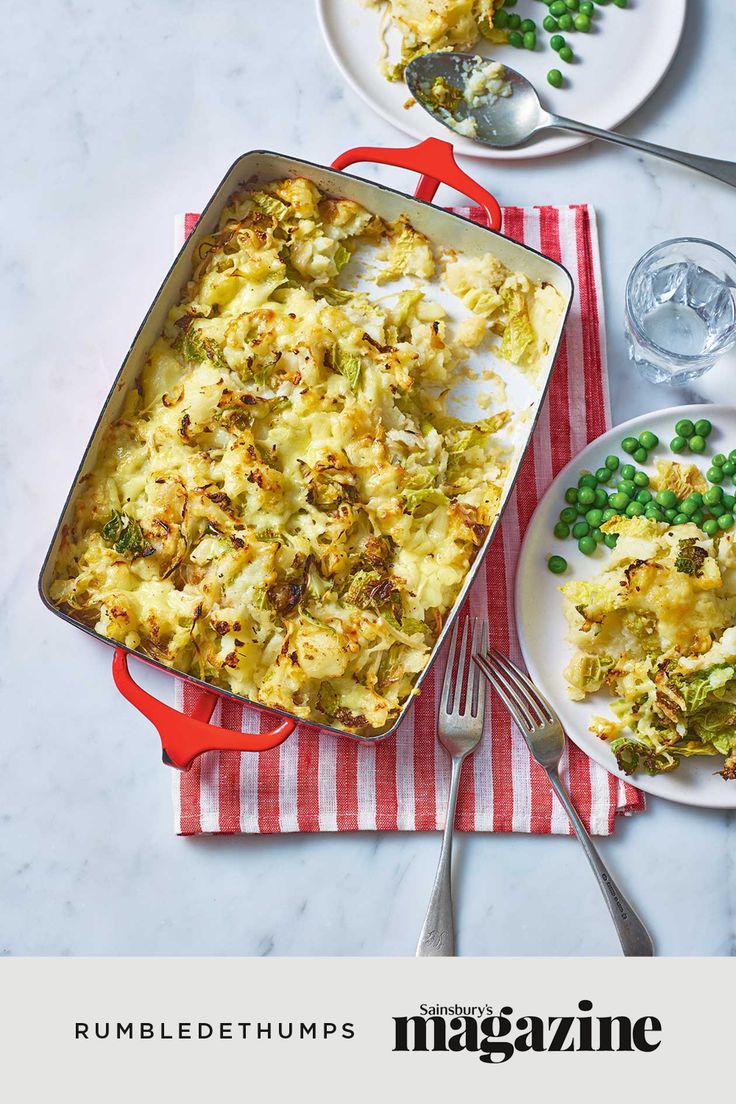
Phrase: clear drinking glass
(681, 309)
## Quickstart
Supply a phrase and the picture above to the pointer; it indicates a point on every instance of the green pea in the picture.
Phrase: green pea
(628, 471)
(671, 514)
(571, 495)
(566, 54)
(587, 545)
(729, 501)
(729, 468)
(594, 518)
(572, 5)
(732, 456)
(501, 19)
(714, 475)
(678, 444)
(597, 535)
(509, 3)
(612, 462)
(550, 24)
(648, 440)
(619, 501)
(703, 427)
(697, 443)
(640, 455)
(697, 517)
(634, 509)
(666, 499)
(586, 496)
(557, 564)
(609, 513)
(627, 487)
(641, 479)
(629, 445)
(603, 475)
(530, 40)
(587, 480)
(515, 39)
(713, 496)
(528, 25)
(581, 529)
(697, 497)
(651, 510)
(601, 497)
(710, 527)
(688, 507)
(514, 21)
(558, 7)
(586, 7)
(725, 521)
(557, 42)
(565, 22)
(719, 460)
(680, 519)
(582, 23)
(609, 539)
(621, 3)
(555, 78)
(561, 530)
(684, 428)
(569, 515)
(644, 496)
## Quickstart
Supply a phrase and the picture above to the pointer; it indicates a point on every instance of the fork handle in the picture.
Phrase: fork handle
(437, 937)
(634, 938)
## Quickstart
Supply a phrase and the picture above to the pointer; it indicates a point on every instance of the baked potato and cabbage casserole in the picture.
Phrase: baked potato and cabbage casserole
(656, 627)
(285, 507)
(426, 26)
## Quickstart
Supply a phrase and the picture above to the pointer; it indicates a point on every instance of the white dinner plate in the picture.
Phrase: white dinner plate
(541, 623)
(617, 68)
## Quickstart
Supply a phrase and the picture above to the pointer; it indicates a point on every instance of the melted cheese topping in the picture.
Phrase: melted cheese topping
(284, 507)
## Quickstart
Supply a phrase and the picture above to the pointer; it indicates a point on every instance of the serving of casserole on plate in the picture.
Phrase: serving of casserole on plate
(290, 496)
(636, 645)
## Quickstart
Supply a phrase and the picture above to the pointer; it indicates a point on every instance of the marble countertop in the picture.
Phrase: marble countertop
(117, 116)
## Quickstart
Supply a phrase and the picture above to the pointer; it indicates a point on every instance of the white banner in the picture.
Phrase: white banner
(354, 1030)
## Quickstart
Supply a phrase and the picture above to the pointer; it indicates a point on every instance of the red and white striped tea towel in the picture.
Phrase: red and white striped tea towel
(316, 782)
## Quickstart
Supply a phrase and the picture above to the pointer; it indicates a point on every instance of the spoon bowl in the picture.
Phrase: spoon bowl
(511, 115)
(505, 121)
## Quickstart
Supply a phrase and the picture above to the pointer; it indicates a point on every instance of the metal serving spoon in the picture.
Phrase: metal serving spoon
(513, 120)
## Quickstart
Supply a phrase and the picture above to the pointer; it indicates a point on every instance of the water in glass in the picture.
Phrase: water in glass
(680, 314)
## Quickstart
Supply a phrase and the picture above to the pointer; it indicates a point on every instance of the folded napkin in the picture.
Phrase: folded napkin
(317, 782)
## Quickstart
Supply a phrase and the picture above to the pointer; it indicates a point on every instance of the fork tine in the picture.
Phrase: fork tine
(518, 675)
(461, 698)
(515, 693)
(479, 645)
(521, 720)
(447, 686)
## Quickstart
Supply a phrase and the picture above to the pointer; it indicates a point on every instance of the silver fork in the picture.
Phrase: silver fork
(545, 737)
(459, 727)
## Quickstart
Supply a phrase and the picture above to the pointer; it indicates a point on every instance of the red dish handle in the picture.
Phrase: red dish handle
(183, 738)
(435, 161)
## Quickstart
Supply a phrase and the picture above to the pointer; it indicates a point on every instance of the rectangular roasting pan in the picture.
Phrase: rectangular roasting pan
(184, 737)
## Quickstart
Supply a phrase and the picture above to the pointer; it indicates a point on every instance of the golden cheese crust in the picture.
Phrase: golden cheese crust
(284, 507)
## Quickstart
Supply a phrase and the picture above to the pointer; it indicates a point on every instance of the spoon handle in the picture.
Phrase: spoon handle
(711, 166)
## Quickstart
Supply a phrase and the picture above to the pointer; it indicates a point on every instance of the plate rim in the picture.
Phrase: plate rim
(465, 146)
(648, 784)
